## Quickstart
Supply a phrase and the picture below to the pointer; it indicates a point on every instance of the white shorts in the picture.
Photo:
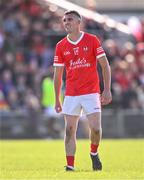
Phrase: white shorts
(74, 105)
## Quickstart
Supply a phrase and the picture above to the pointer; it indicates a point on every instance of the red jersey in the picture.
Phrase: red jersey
(80, 61)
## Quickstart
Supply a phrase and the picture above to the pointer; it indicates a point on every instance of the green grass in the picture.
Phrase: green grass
(45, 159)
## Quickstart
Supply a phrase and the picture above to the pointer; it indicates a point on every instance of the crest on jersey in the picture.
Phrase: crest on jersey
(66, 53)
(76, 50)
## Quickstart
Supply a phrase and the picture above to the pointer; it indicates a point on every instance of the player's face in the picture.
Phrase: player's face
(71, 23)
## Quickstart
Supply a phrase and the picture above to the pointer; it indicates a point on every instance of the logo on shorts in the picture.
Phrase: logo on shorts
(96, 108)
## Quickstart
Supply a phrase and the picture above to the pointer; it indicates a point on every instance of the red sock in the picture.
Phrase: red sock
(94, 148)
(70, 160)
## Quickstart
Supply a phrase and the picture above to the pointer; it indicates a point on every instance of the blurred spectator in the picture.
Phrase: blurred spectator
(112, 50)
(3, 103)
(31, 101)
(13, 100)
(2, 38)
(6, 83)
(48, 103)
(130, 97)
(140, 92)
(47, 95)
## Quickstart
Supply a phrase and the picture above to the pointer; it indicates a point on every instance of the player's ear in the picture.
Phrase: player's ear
(79, 20)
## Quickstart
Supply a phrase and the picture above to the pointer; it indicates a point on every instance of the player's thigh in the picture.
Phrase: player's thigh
(91, 103)
(71, 122)
(94, 120)
(71, 106)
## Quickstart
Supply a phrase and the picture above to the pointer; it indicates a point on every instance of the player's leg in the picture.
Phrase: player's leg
(92, 107)
(70, 139)
(71, 110)
(94, 120)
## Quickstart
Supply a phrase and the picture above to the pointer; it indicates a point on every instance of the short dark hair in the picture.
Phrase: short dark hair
(73, 12)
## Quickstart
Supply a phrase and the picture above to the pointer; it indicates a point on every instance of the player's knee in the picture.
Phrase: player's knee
(96, 131)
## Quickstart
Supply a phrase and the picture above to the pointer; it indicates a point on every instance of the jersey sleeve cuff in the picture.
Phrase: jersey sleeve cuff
(101, 55)
(58, 64)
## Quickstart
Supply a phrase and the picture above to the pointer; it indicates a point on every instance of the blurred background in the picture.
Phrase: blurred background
(29, 31)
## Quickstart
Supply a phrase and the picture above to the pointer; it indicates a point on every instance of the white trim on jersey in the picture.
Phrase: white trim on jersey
(55, 58)
(76, 42)
(101, 55)
(58, 64)
(100, 49)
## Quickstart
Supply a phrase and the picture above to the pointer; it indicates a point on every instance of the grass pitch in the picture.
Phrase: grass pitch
(45, 159)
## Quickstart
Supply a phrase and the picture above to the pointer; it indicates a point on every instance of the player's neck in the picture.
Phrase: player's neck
(74, 36)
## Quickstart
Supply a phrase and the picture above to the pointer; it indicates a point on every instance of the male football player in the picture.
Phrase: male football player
(79, 52)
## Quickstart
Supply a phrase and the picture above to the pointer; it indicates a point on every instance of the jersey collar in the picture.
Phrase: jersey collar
(76, 42)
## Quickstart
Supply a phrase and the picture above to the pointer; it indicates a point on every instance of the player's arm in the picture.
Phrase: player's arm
(58, 73)
(106, 96)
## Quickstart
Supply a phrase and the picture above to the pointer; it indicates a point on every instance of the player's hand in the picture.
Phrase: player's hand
(106, 97)
(58, 107)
